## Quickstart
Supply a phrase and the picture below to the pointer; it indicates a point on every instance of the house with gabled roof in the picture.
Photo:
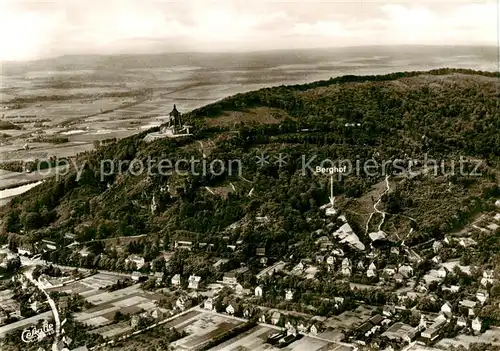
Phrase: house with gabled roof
(194, 282)
(230, 309)
(406, 271)
(437, 246)
(330, 260)
(477, 325)
(461, 321)
(482, 295)
(176, 280)
(446, 309)
(275, 318)
(209, 304)
(372, 270)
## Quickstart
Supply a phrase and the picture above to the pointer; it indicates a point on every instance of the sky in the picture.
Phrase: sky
(46, 28)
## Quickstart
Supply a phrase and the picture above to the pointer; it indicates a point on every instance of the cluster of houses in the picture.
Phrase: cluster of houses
(286, 319)
(10, 308)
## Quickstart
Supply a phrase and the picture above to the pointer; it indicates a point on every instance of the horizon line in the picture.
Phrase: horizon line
(3, 62)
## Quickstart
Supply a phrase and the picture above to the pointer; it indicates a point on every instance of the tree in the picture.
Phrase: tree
(32, 220)
(159, 264)
(13, 265)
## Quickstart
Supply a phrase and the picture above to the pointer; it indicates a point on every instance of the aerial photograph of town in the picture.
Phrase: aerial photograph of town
(236, 175)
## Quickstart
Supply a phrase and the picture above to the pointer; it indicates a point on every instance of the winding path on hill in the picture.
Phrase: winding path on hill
(376, 210)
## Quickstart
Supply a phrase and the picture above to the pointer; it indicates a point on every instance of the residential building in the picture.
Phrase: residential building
(482, 295)
(158, 278)
(389, 310)
(437, 260)
(461, 322)
(230, 278)
(183, 243)
(248, 312)
(346, 271)
(442, 273)
(446, 309)
(406, 271)
(35, 306)
(299, 268)
(63, 303)
(338, 252)
(372, 270)
(181, 303)
(468, 303)
(176, 280)
(453, 288)
(49, 245)
(290, 329)
(209, 304)
(25, 250)
(259, 292)
(437, 246)
(487, 278)
(390, 270)
(398, 332)
(137, 260)
(240, 290)
(289, 295)
(230, 310)
(194, 282)
(157, 313)
(477, 325)
(434, 330)
(398, 278)
(269, 271)
(471, 313)
(467, 242)
(302, 328)
(275, 318)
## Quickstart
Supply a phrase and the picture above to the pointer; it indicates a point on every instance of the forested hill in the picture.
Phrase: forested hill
(441, 114)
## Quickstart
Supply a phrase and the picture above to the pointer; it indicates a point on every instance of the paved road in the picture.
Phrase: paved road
(28, 273)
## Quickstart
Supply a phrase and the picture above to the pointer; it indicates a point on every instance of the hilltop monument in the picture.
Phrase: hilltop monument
(174, 127)
(175, 117)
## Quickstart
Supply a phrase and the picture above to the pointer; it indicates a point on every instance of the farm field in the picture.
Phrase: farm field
(201, 326)
(89, 285)
(255, 339)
